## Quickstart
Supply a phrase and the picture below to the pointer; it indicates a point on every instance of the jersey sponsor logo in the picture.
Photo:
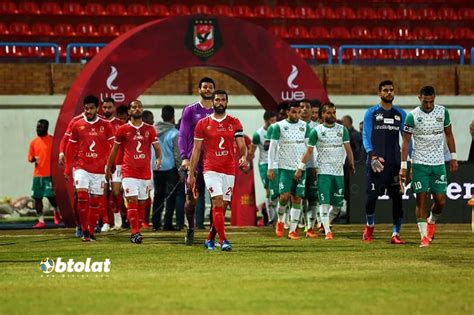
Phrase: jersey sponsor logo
(388, 121)
(387, 127)
(91, 153)
(139, 147)
(224, 152)
(378, 116)
(139, 155)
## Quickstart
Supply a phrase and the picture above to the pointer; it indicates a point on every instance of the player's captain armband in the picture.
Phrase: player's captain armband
(239, 133)
(454, 156)
(404, 165)
(408, 129)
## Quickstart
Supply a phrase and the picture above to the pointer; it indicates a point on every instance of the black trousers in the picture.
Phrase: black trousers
(164, 182)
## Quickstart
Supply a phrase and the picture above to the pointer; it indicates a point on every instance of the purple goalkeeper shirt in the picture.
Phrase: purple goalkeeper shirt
(191, 115)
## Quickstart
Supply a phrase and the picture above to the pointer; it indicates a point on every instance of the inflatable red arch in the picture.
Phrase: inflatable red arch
(126, 67)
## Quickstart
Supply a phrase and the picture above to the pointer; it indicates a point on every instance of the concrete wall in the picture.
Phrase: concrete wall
(19, 114)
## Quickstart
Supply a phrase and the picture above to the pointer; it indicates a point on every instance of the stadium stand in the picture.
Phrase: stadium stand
(308, 23)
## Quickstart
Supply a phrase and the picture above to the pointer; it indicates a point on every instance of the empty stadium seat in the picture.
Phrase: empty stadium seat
(8, 7)
(446, 13)
(361, 32)
(222, 10)
(19, 28)
(304, 12)
(279, 31)
(52, 8)
(324, 13)
(157, 9)
(422, 33)
(92, 8)
(28, 7)
(463, 33)
(3, 29)
(443, 32)
(466, 14)
(345, 13)
(41, 29)
(284, 11)
(387, 14)
(72, 8)
(381, 32)
(242, 10)
(366, 13)
(64, 29)
(200, 9)
(263, 11)
(85, 29)
(406, 14)
(115, 9)
(304, 53)
(137, 9)
(427, 13)
(298, 31)
(340, 32)
(107, 30)
(179, 9)
(318, 32)
(126, 27)
(402, 33)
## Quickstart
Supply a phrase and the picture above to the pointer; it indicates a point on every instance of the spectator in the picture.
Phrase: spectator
(355, 136)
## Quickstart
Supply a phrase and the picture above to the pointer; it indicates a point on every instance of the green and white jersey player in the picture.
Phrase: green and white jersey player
(288, 144)
(333, 145)
(428, 124)
(258, 141)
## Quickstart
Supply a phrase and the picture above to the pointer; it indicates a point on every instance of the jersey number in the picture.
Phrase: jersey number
(417, 185)
(229, 191)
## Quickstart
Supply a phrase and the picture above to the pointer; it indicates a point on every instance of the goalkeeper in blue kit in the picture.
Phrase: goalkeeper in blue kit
(383, 125)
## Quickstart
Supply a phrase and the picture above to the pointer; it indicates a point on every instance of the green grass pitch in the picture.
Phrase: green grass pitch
(262, 275)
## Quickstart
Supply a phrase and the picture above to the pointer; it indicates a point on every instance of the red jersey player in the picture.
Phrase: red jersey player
(136, 139)
(116, 200)
(216, 135)
(89, 145)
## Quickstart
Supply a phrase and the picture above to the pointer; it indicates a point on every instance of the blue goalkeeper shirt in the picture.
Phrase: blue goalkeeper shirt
(381, 132)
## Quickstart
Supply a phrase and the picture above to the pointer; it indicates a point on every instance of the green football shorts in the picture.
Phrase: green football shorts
(331, 190)
(42, 187)
(429, 178)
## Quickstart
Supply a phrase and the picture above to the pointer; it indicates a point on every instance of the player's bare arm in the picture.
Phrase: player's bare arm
(156, 147)
(350, 157)
(307, 155)
(194, 160)
(404, 156)
(453, 164)
(243, 151)
(111, 161)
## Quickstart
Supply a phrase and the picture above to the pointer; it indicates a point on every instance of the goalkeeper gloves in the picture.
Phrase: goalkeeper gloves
(376, 163)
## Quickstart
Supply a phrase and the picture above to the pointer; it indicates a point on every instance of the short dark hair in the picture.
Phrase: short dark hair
(130, 104)
(348, 117)
(167, 113)
(326, 106)
(220, 92)
(283, 105)
(91, 99)
(122, 109)
(269, 114)
(304, 100)
(383, 83)
(44, 122)
(293, 104)
(108, 100)
(147, 117)
(315, 103)
(427, 90)
(206, 80)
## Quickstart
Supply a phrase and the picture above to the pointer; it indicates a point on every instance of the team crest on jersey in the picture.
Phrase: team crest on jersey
(301, 129)
(419, 119)
(231, 128)
(203, 37)
(323, 134)
(101, 129)
(209, 127)
(285, 128)
(339, 134)
(379, 117)
(396, 117)
(439, 119)
(147, 134)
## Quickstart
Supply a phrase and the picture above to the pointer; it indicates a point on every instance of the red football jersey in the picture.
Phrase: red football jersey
(136, 144)
(116, 123)
(218, 138)
(93, 140)
(67, 134)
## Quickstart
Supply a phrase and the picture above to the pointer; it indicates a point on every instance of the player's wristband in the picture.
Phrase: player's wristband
(404, 165)
(301, 166)
(454, 156)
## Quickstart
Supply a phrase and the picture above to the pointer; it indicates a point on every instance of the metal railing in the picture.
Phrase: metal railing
(33, 44)
(313, 47)
(399, 47)
(72, 45)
